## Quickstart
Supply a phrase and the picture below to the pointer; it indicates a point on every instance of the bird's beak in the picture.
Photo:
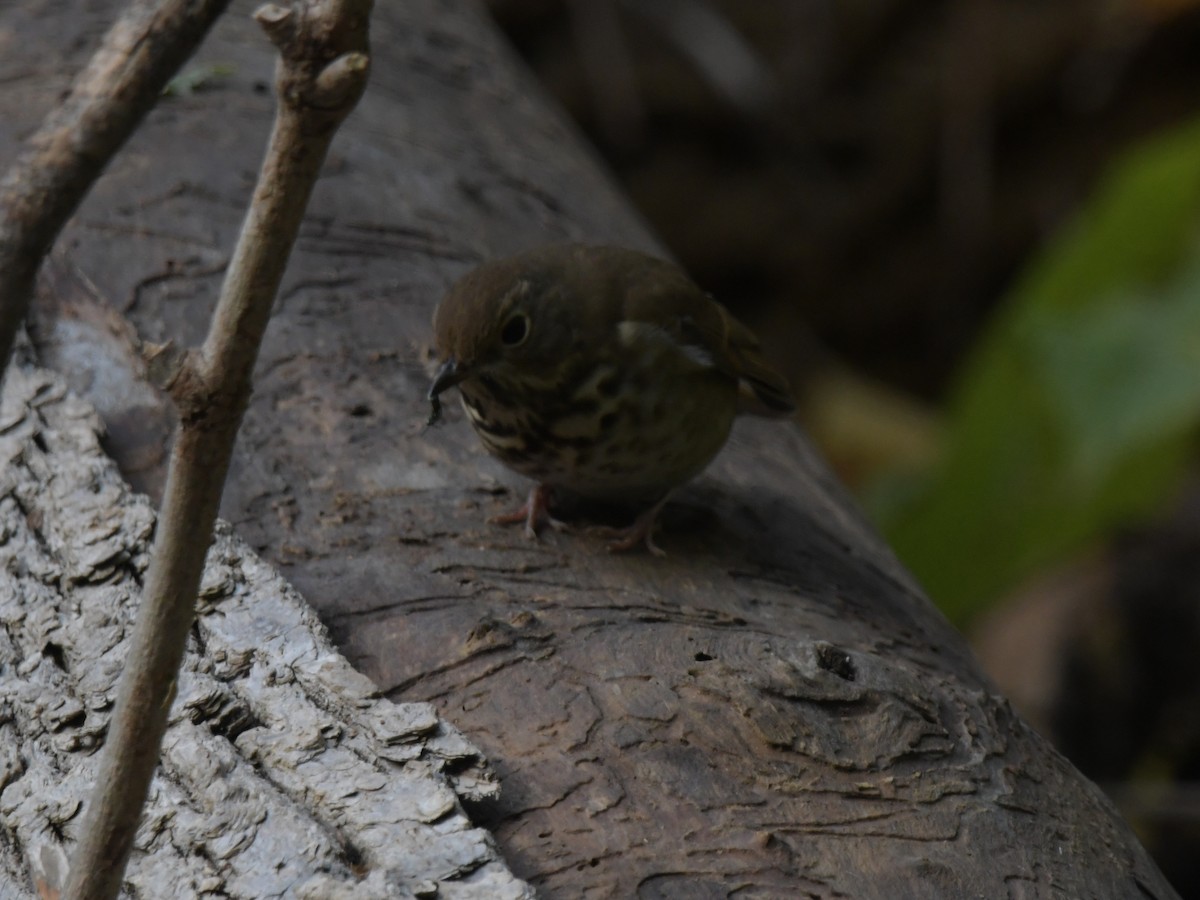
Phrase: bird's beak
(447, 376)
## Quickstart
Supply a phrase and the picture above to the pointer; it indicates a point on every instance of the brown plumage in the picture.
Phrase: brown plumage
(599, 370)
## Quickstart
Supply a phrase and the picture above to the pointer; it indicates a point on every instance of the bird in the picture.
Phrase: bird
(601, 371)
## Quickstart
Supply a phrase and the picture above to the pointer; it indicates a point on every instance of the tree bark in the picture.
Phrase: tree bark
(283, 773)
(773, 710)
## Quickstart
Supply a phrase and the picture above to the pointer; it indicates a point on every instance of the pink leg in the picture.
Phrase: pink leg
(640, 532)
(534, 511)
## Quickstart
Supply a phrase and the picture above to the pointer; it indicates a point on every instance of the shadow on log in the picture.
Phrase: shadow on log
(773, 710)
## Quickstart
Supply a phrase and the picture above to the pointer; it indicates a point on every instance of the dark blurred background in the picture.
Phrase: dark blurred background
(971, 232)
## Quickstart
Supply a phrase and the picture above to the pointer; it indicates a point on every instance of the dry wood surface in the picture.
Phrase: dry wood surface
(773, 710)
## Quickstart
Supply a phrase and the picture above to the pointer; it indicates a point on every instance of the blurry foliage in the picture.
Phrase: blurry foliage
(198, 78)
(1076, 411)
(864, 426)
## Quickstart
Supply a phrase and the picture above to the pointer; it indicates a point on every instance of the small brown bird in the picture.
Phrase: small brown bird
(601, 371)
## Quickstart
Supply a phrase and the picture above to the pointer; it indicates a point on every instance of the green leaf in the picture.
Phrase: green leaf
(198, 78)
(1077, 411)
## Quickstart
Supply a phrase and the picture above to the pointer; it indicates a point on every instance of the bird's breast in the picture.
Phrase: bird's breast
(631, 420)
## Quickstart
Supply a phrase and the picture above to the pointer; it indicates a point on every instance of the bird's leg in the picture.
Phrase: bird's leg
(534, 511)
(640, 532)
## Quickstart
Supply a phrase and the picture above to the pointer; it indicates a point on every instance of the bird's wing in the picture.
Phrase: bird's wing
(705, 329)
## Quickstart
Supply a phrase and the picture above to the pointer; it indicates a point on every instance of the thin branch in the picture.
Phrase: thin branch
(322, 72)
(108, 99)
(609, 69)
(726, 59)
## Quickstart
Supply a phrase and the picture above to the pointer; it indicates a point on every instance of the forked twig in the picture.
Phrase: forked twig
(321, 74)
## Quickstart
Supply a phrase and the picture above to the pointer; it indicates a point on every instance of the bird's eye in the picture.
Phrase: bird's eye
(515, 330)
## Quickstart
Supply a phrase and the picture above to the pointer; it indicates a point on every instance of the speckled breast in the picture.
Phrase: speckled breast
(631, 428)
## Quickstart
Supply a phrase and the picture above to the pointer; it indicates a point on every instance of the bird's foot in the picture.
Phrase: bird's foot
(641, 532)
(533, 512)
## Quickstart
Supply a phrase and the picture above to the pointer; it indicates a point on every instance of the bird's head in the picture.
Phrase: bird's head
(504, 322)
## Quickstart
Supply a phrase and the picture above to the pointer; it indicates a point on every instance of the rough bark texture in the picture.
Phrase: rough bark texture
(283, 774)
(774, 710)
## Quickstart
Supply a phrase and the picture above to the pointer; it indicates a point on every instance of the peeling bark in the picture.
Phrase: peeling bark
(773, 710)
(283, 774)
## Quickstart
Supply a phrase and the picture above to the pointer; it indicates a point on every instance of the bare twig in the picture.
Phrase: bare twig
(322, 72)
(609, 69)
(726, 60)
(110, 97)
